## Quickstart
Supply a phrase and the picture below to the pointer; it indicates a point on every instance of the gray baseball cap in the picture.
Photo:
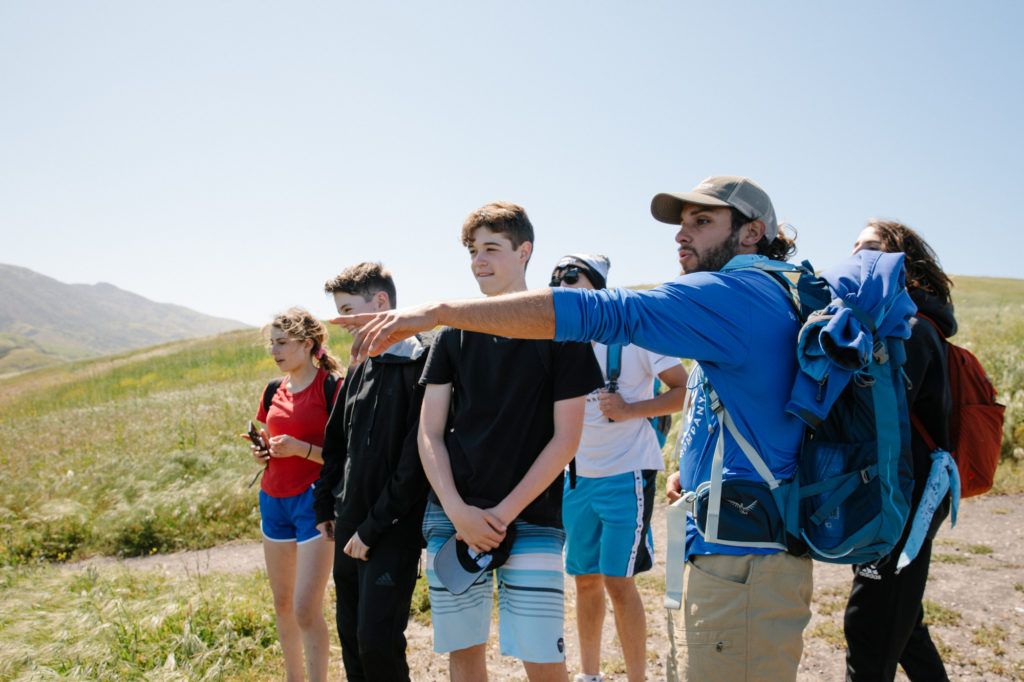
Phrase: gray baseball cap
(741, 193)
(458, 567)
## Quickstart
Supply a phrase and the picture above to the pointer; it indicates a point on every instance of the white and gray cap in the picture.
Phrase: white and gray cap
(594, 266)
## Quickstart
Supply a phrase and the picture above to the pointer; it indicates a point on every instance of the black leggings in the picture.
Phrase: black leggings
(374, 597)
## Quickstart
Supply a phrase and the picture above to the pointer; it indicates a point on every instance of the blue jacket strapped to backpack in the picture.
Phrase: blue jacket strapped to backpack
(870, 302)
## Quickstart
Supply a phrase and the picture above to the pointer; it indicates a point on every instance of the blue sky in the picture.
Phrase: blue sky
(232, 156)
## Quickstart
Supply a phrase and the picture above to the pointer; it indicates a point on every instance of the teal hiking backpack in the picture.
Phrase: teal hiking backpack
(850, 497)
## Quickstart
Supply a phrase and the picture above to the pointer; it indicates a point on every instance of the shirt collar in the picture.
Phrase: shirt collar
(411, 348)
(745, 260)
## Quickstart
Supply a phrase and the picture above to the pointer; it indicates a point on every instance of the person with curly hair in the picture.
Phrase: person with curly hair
(298, 558)
(884, 615)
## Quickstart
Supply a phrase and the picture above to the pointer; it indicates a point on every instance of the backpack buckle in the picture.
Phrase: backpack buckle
(714, 402)
(688, 502)
(880, 352)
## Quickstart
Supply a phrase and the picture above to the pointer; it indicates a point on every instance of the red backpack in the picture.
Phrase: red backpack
(975, 422)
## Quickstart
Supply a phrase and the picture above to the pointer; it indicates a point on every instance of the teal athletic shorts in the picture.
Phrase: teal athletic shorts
(608, 524)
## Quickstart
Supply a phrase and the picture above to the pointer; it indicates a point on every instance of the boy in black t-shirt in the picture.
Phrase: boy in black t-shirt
(517, 412)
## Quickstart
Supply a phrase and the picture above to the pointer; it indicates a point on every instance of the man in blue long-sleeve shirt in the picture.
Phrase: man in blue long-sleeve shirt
(744, 608)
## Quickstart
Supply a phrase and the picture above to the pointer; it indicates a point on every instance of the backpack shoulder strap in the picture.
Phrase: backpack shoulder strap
(330, 389)
(921, 431)
(809, 293)
(726, 423)
(614, 362)
(934, 324)
(269, 391)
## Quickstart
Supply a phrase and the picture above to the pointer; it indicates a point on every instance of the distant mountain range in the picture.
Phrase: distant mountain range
(43, 321)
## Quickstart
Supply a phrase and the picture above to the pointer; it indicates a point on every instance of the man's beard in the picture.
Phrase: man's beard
(716, 258)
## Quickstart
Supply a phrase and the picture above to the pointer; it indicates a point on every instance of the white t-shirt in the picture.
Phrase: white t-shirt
(610, 448)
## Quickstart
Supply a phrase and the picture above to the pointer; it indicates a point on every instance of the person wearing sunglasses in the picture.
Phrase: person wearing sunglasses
(569, 271)
(607, 514)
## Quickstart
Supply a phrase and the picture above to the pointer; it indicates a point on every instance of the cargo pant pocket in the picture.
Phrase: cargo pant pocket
(711, 633)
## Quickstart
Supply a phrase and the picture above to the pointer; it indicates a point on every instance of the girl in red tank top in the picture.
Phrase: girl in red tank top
(298, 557)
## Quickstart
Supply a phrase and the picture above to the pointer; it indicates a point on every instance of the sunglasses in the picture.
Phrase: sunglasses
(569, 276)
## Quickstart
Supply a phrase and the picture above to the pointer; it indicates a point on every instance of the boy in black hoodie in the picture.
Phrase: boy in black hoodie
(371, 492)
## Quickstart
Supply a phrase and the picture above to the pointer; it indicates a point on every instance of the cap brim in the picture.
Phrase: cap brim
(667, 207)
(449, 569)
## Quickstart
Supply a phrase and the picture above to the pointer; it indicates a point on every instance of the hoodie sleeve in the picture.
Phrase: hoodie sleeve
(928, 381)
(335, 452)
(407, 486)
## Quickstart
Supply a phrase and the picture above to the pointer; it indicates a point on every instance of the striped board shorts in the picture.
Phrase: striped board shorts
(531, 600)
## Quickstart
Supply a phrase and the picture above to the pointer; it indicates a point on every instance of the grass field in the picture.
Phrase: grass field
(107, 624)
(139, 453)
(132, 454)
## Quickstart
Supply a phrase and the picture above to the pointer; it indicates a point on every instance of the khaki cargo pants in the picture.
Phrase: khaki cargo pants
(742, 618)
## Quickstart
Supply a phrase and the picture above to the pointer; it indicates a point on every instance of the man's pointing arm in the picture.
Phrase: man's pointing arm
(526, 315)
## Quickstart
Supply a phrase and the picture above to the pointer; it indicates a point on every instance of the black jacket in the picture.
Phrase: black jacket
(928, 393)
(372, 480)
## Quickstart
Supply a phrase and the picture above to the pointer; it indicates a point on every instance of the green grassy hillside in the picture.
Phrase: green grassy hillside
(18, 353)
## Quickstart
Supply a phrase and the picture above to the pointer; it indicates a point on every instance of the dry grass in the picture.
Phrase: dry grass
(112, 623)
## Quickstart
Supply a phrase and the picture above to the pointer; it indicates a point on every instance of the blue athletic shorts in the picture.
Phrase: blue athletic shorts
(608, 524)
(531, 601)
(288, 519)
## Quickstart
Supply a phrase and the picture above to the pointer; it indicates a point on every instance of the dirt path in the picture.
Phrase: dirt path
(976, 583)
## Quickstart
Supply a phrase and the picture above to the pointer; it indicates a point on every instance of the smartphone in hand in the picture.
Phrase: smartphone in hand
(255, 437)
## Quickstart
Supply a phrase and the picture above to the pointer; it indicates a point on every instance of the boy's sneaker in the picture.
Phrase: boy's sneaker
(580, 677)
